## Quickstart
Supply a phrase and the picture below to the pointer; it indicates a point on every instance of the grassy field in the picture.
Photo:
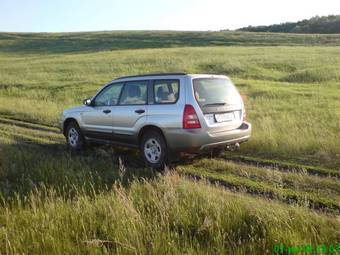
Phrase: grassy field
(37, 43)
(281, 187)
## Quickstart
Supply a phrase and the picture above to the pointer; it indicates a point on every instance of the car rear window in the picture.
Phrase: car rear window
(215, 91)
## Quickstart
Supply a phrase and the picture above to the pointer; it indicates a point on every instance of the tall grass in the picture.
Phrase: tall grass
(158, 217)
(98, 202)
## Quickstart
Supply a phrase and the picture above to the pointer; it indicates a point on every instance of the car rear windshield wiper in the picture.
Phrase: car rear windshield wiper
(214, 104)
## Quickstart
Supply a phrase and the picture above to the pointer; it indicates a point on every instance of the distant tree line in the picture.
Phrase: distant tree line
(316, 25)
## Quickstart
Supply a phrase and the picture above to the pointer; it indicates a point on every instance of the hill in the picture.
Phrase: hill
(56, 43)
(316, 25)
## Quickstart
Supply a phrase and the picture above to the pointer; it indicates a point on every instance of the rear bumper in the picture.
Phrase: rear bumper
(195, 140)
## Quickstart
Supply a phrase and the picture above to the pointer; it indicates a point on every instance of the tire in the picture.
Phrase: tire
(154, 149)
(74, 138)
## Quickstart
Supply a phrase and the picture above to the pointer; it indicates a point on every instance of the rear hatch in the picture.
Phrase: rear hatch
(220, 103)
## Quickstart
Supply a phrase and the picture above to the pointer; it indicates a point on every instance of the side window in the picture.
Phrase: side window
(166, 91)
(134, 92)
(109, 96)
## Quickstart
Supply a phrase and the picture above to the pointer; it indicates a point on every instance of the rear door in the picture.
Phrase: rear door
(131, 111)
(164, 101)
(220, 103)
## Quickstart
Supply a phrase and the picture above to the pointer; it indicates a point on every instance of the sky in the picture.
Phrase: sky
(99, 15)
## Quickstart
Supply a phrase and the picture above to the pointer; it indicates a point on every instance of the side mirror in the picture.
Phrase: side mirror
(87, 102)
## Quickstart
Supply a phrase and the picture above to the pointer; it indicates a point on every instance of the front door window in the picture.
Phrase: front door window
(109, 96)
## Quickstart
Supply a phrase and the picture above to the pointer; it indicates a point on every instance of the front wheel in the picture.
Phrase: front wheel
(74, 137)
(154, 150)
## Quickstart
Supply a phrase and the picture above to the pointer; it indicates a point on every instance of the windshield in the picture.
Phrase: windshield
(215, 92)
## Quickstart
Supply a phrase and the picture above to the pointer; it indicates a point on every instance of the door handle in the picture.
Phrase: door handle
(140, 111)
(106, 111)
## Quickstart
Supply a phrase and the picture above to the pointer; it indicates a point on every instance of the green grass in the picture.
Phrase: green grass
(56, 202)
(160, 217)
(296, 119)
(103, 201)
(314, 192)
(282, 165)
(59, 43)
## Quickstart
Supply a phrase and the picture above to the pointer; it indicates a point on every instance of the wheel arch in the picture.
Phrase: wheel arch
(67, 122)
(147, 128)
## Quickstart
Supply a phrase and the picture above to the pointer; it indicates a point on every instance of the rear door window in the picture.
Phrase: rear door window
(166, 91)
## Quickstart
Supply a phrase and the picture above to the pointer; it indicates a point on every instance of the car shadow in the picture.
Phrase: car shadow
(26, 167)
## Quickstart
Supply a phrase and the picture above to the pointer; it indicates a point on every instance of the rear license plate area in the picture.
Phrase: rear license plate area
(224, 117)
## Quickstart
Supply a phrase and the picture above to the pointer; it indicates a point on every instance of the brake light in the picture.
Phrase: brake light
(190, 119)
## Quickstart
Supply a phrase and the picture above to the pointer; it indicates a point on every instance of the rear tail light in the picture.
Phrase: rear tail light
(190, 119)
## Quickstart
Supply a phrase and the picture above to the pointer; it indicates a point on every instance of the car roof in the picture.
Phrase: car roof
(167, 76)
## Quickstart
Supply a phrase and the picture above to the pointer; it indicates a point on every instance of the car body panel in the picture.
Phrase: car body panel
(95, 120)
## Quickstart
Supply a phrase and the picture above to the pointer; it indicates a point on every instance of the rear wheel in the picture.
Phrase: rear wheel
(74, 137)
(154, 149)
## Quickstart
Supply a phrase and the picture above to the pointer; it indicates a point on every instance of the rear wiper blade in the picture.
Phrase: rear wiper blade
(215, 104)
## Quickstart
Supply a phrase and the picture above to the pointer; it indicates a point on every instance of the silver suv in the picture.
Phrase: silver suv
(162, 114)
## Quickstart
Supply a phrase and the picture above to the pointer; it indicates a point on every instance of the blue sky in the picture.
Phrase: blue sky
(87, 15)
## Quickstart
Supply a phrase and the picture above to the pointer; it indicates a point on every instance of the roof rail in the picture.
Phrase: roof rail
(151, 74)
